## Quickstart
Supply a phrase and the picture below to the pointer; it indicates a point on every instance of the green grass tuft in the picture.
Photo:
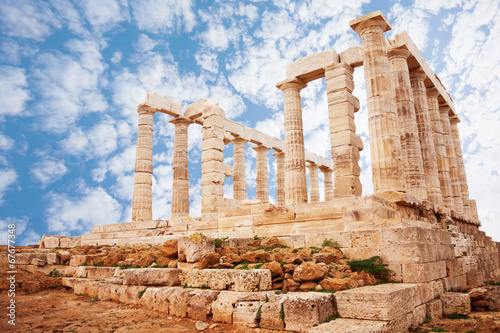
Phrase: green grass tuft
(455, 315)
(141, 293)
(372, 265)
(330, 242)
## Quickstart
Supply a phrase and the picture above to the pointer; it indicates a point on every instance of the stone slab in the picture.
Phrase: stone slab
(152, 276)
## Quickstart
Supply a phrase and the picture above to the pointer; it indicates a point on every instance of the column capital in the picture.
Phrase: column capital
(238, 139)
(418, 74)
(278, 154)
(260, 148)
(312, 166)
(180, 120)
(454, 120)
(444, 109)
(291, 83)
(398, 51)
(325, 169)
(432, 92)
(145, 109)
(375, 20)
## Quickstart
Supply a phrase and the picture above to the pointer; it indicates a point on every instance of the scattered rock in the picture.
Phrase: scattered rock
(270, 242)
(307, 286)
(208, 260)
(335, 284)
(201, 326)
(309, 271)
(169, 249)
(275, 268)
(256, 256)
(191, 248)
(163, 261)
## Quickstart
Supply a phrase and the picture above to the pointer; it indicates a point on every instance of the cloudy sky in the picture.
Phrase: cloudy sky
(73, 72)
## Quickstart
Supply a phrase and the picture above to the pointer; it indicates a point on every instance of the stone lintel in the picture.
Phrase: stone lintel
(375, 18)
(311, 67)
(352, 56)
(163, 104)
(432, 92)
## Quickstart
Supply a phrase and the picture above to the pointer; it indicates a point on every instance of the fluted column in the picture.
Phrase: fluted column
(461, 167)
(385, 144)
(295, 162)
(142, 205)
(440, 148)
(408, 130)
(426, 136)
(313, 182)
(180, 185)
(239, 177)
(345, 144)
(262, 189)
(452, 159)
(473, 209)
(280, 178)
(327, 182)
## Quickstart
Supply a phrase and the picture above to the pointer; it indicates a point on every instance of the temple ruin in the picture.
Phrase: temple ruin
(420, 219)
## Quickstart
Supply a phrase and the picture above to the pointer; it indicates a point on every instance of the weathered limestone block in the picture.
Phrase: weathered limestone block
(191, 248)
(309, 271)
(434, 309)
(156, 299)
(169, 248)
(239, 177)
(152, 276)
(108, 292)
(245, 313)
(26, 258)
(236, 280)
(179, 300)
(312, 67)
(66, 242)
(77, 260)
(99, 273)
(305, 310)
(454, 267)
(417, 316)
(129, 294)
(456, 303)
(223, 306)
(52, 259)
(270, 316)
(200, 304)
(382, 302)
(419, 273)
(343, 325)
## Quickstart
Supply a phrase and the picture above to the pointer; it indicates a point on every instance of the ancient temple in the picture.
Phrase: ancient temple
(420, 219)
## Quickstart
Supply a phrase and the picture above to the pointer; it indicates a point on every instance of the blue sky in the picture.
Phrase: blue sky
(73, 72)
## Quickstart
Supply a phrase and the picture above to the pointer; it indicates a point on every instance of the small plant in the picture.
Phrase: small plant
(278, 292)
(259, 313)
(330, 242)
(185, 286)
(437, 297)
(244, 265)
(255, 237)
(218, 241)
(314, 249)
(282, 313)
(25, 270)
(80, 294)
(471, 331)
(455, 315)
(332, 317)
(95, 299)
(57, 248)
(427, 319)
(328, 291)
(493, 283)
(438, 329)
(54, 273)
(203, 286)
(257, 266)
(267, 299)
(64, 262)
(141, 293)
(372, 265)
(84, 264)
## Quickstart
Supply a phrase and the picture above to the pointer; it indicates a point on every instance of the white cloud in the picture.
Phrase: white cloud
(77, 214)
(14, 92)
(116, 58)
(27, 19)
(159, 16)
(412, 20)
(48, 170)
(103, 15)
(7, 178)
(6, 143)
(144, 43)
(24, 234)
(69, 85)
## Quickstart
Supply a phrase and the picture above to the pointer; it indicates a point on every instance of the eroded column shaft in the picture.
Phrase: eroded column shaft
(408, 131)
(313, 183)
(180, 186)
(345, 145)
(280, 178)
(426, 137)
(461, 167)
(295, 163)
(239, 177)
(385, 144)
(328, 183)
(440, 148)
(450, 152)
(142, 205)
(262, 188)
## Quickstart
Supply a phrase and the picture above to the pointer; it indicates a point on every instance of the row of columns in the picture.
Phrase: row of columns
(414, 144)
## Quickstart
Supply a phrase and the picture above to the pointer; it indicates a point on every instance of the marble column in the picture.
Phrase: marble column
(180, 186)
(408, 130)
(313, 182)
(473, 209)
(440, 148)
(239, 177)
(280, 177)
(142, 205)
(327, 182)
(460, 163)
(295, 162)
(262, 188)
(426, 136)
(452, 159)
(385, 145)
(345, 144)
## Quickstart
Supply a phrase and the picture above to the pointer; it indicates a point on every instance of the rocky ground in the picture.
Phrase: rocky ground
(60, 310)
